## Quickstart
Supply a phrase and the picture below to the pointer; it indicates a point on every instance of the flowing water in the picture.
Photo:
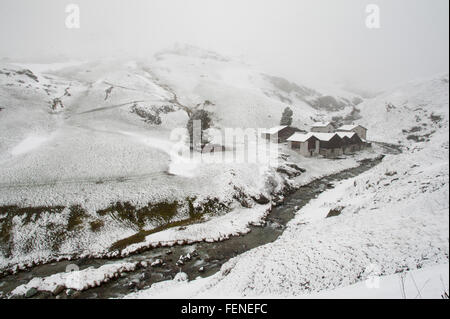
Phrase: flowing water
(207, 258)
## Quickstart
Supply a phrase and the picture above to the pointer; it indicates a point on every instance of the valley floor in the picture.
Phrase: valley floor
(392, 219)
(94, 179)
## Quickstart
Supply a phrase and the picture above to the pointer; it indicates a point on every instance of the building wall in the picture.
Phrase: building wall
(282, 135)
(356, 139)
(294, 145)
(360, 131)
(304, 149)
(285, 133)
(333, 143)
(307, 151)
(332, 148)
(274, 138)
(316, 148)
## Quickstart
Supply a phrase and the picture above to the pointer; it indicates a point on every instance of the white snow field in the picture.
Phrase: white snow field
(426, 283)
(92, 154)
(390, 221)
(80, 140)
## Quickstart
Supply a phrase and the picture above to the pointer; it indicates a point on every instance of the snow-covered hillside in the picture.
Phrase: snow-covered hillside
(86, 147)
(388, 220)
(89, 167)
(409, 113)
(241, 96)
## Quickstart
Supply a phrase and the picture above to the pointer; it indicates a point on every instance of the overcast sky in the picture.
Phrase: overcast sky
(306, 40)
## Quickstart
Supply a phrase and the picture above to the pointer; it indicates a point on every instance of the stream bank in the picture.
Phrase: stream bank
(199, 259)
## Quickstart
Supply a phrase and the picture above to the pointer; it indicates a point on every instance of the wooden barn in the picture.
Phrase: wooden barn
(351, 142)
(306, 144)
(330, 144)
(279, 134)
(322, 127)
(358, 129)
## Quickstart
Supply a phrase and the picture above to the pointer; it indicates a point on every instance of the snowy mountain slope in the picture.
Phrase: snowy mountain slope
(112, 119)
(401, 224)
(390, 219)
(26, 95)
(30, 122)
(426, 283)
(240, 95)
(78, 138)
(409, 113)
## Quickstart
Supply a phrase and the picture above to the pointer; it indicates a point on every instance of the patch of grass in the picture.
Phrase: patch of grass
(161, 214)
(140, 236)
(138, 218)
(31, 214)
(191, 208)
(76, 215)
(164, 212)
(57, 237)
(212, 206)
(96, 225)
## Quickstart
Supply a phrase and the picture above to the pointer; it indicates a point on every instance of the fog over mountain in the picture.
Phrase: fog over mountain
(325, 42)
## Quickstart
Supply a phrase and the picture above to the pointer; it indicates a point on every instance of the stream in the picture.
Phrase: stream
(207, 258)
